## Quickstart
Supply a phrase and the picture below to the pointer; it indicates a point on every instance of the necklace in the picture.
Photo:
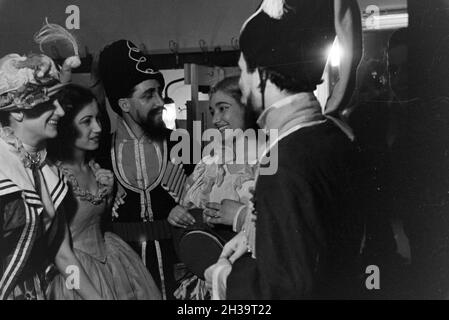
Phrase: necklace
(83, 194)
(30, 160)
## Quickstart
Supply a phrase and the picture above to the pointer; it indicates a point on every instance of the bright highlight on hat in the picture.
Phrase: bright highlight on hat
(335, 54)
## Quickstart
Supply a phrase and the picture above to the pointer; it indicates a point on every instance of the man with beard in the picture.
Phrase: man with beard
(307, 238)
(140, 150)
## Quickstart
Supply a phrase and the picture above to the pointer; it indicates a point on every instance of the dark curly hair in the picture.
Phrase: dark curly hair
(73, 98)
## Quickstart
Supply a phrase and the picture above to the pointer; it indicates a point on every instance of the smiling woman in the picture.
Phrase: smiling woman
(79, 125)
(89, 127)
(115, 270)
(218, 190)
(226, 108)
(33, 230)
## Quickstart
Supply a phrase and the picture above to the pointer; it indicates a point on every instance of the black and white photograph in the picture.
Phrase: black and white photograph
(239, 151)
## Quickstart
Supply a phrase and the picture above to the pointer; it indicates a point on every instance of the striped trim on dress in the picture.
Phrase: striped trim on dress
(21, 253)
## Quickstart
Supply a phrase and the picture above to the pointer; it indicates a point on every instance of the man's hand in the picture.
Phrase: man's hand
(223, 213)
(180, 217)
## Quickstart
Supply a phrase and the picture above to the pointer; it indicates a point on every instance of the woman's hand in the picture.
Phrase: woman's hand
(235, 248)
(223, 213)
(180, 217)
(105, 178)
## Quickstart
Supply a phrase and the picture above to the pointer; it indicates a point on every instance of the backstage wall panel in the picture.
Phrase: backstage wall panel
(152, 22)
(383, 4)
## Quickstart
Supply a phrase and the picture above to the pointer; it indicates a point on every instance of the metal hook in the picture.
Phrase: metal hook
(173, 46)
(235, 43)
(203, 45)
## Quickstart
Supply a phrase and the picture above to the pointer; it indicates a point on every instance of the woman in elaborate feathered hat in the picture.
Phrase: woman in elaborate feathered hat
(33, 229)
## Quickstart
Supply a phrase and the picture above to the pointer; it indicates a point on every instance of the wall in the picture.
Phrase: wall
(384, 4)
(152, 22)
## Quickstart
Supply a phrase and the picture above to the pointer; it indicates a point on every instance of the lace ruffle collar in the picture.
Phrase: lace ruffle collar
(28, 159)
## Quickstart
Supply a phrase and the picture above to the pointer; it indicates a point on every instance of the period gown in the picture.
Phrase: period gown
(114, 268)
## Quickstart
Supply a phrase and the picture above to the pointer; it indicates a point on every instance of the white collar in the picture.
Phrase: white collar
(279, 104)
(306, 99)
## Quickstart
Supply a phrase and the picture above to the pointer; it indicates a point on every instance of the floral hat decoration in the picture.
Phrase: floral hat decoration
(27, 81)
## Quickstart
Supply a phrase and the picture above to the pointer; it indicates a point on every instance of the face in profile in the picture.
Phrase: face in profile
(87, 125)
(250, 90)
(41, 122)
(226, 112)
(147, 107)
(245, 80)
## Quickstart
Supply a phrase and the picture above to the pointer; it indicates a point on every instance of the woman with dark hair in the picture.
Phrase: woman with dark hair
(114, 268)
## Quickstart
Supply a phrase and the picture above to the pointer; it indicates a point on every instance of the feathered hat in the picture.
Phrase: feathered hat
(27, 81)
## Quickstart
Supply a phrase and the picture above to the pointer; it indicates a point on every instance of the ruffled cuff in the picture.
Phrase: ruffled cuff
(219, 279)
(236, 224)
